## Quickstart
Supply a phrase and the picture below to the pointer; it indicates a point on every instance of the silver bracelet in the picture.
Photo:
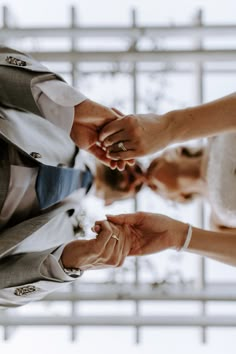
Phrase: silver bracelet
(188, 239)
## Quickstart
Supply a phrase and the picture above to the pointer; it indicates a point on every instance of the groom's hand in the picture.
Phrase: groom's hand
(90, 117)
(108, 249)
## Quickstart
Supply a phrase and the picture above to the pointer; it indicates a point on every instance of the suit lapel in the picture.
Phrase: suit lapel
(13, 236)
(4, 181)
(4, 172)
(29, 134)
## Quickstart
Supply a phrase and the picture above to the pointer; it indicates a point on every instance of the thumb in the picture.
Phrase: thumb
(123, 219)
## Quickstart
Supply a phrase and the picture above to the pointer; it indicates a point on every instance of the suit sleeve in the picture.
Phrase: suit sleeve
(56, 101)
(20, 80)
(22, 276)
(23, 281)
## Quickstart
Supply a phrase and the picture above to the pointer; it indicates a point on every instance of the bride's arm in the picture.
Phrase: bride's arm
(143, 134)
(205, 120)
(220, 246)
(152, 233)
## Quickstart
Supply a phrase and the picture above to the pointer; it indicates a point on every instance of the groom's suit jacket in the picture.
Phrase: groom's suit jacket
(25, 246)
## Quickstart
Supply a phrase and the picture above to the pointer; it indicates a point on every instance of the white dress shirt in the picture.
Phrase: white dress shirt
(56, 101)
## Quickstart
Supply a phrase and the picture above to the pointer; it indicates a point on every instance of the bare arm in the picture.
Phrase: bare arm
(205, 120)
(152, 233)
(143, 134)
(220, 246)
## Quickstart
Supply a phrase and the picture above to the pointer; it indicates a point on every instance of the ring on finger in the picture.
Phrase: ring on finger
(121, 146)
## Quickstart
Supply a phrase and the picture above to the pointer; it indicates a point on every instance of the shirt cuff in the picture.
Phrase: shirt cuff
(56, 101)
(51, 267)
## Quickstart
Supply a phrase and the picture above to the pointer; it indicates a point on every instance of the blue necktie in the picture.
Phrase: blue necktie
(56, 183)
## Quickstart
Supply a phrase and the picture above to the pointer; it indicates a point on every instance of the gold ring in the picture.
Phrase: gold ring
(115, 237)
(121, 146)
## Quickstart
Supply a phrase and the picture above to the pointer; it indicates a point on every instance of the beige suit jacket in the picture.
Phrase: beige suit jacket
(22, 125)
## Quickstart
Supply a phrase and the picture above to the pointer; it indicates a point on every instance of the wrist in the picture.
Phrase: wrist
(159, 126)
(176, 126)
(68, 257)
(169, 128)
(89, 110)
(80, 112)
(83, 109)
(180, 236)
(188, 238)
(71, 272)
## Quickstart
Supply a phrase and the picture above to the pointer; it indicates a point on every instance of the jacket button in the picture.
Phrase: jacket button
(15, 61)
(25, 290)
(36, 155)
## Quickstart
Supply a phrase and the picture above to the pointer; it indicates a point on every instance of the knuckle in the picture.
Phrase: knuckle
(116, 155)
(130, 119)
(142, 148)
(107, 142)
(104, 131)
(138, 131)
(103, 260)
(113, 262)
(109, 263)
(121, 262)
(140, 214)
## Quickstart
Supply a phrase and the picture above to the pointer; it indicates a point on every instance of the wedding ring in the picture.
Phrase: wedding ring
(115, 237)
(121, 146)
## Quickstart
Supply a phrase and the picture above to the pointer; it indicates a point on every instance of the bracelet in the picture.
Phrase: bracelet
(188, 239)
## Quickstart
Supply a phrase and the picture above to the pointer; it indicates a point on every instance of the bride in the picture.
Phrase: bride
(211, 173)
(183, 173)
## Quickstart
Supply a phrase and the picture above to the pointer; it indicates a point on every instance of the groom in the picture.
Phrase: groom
(43, 124)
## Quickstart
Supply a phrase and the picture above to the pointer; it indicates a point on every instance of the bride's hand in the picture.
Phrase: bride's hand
(140, 135)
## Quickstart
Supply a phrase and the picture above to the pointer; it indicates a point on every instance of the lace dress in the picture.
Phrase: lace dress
(221, 178)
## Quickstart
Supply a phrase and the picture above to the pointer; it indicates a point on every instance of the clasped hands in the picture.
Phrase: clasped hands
(116, 139)
(89, 119)
(124, 235)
